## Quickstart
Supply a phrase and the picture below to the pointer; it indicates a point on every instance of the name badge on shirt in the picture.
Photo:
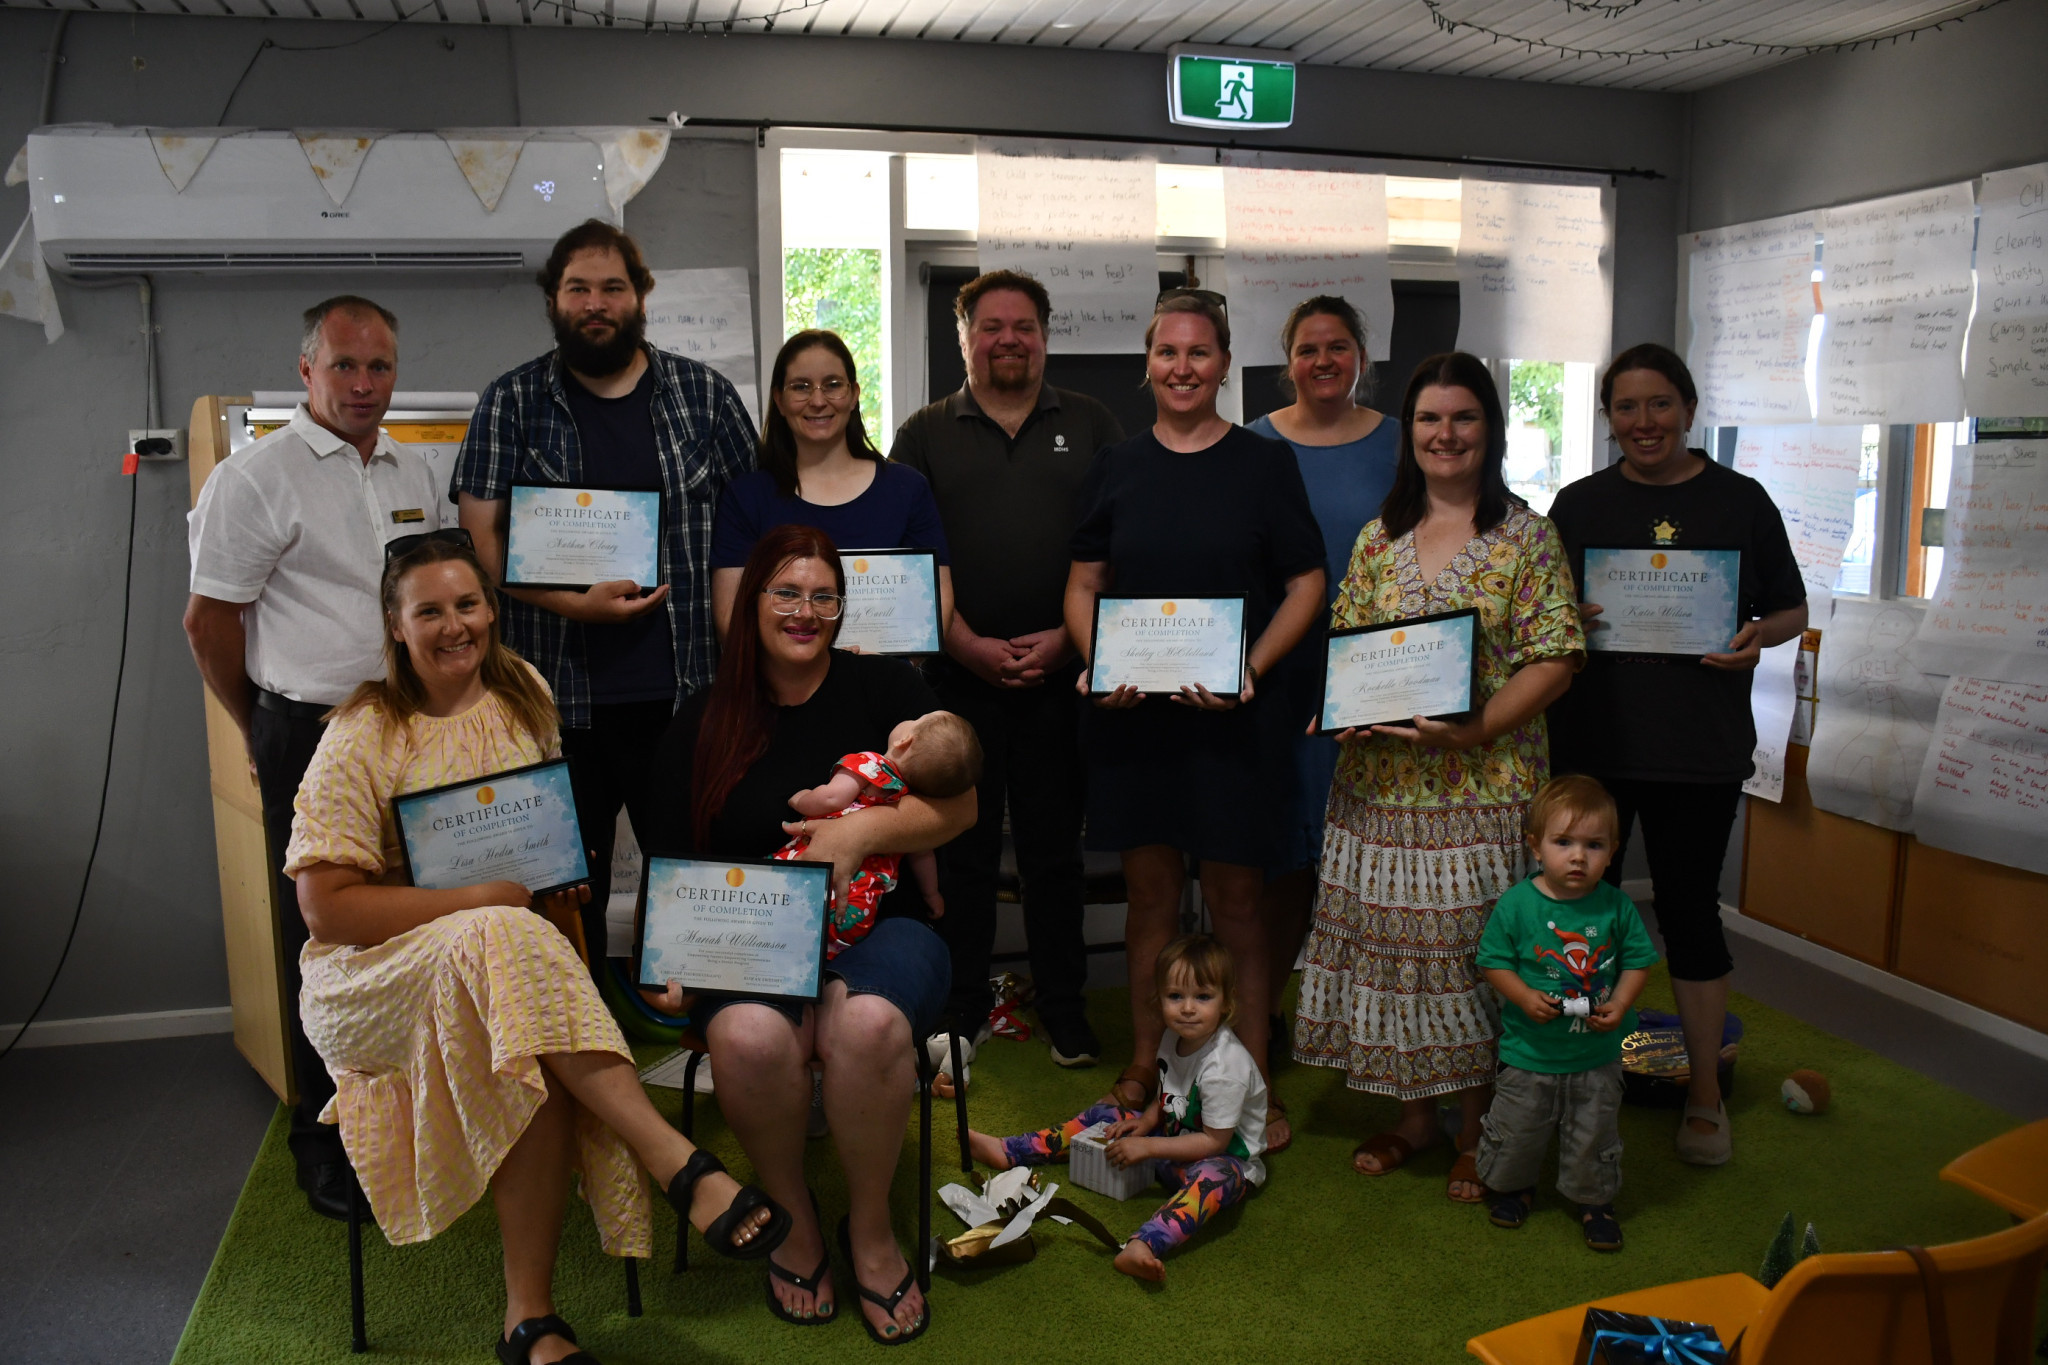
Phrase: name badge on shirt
(401, 515)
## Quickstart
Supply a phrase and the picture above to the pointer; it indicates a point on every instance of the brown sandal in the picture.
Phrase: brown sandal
(1465, 1169)
(1276, 1112)
(1391, 1150)
(1139, 1077)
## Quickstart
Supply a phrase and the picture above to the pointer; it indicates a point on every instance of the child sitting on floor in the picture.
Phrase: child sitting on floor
(1205, 1130)
(937, 755)
(1570, 953)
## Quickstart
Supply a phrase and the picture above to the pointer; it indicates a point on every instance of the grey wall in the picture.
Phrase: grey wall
(150, 936)
(1832, 129)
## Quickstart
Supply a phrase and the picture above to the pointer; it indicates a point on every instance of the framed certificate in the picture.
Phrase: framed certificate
(1662, 600)
(892, 601)
(515, 826)
(1390, 673)
(1162, 644)
(574, 537)
(745, 927)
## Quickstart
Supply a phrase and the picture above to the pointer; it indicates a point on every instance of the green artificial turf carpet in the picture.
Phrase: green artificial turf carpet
(1322, 1265)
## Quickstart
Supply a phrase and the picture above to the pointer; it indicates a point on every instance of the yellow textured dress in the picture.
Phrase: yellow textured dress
(434, 1037)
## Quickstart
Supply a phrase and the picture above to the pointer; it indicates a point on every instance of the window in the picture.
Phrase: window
(1859, 556)
(1550, 427)
(835, 224)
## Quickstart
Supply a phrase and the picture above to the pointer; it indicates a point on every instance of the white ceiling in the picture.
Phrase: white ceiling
(1680, 44)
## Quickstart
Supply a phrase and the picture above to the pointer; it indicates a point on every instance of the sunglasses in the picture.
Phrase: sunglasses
(1205, 295)
(403, 545)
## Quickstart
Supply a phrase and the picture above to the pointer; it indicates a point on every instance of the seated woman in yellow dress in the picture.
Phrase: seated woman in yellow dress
(467, 1044)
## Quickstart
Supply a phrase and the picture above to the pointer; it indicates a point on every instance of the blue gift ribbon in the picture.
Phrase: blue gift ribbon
(1691, 1348)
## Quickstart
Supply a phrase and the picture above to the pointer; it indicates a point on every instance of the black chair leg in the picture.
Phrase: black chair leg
(359, 1341)
(923, 1254)
(632, 1287)
(959, 1102)
(690, 1132)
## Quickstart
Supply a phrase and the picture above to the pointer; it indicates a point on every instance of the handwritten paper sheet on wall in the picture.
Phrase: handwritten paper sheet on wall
(1773, 698)
(1984, 788)
(1752, 306)
(1988, 617)
(1533, 276)
(1810, 473)
(708, 315)
(1897, 297)
(1295, 234)
(2008, 373)
(1875, 714)
(1086, 229)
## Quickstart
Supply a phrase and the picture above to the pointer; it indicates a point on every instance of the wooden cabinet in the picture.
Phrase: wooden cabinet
(1975, 930)
(1818, 875)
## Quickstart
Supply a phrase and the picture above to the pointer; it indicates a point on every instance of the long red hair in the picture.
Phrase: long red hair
(739, 717)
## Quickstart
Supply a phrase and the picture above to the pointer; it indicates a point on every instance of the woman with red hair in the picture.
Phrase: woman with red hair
(784, 708)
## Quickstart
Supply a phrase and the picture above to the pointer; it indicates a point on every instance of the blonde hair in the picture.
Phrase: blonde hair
(1207, 961)
(400, 694)
(1574, 797)
(946, 760)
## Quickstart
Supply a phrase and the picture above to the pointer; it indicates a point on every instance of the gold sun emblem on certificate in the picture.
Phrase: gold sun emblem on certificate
(1665, 531)
(484, 795)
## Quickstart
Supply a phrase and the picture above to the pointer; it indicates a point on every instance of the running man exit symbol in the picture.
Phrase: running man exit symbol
(1237, 93)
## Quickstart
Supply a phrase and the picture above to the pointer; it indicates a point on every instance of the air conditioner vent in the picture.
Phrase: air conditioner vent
(130, 262)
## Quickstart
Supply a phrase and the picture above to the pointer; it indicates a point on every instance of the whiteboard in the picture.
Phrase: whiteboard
(1084, 227)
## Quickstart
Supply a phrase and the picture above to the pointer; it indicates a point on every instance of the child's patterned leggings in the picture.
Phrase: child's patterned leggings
(1202, 1189)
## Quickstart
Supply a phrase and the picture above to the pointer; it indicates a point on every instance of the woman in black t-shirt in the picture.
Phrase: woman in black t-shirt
(784, 708)
(1672, 738)
(1195, 507)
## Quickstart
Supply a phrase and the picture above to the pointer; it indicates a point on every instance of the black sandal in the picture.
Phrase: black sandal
(887, 1305)
(805, 1283)
(1602, 1228)
(719, 1236)
(1509, 1208)
(517, 1348)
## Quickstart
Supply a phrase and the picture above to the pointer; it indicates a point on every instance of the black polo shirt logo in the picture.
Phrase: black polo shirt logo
(1059, 441)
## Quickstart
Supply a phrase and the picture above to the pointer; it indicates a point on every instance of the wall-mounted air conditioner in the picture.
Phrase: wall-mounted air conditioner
(104, 201)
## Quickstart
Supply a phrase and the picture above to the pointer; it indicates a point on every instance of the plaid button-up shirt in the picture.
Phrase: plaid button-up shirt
(523, 432)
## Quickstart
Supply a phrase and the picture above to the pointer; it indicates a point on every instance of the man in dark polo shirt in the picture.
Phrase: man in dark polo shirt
(1006, 457)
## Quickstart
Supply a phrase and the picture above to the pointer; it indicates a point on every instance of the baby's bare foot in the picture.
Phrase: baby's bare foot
(989, 1151)
(1137, 1261)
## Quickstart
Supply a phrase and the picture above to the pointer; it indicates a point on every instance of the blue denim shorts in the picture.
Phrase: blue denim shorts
(902, 961)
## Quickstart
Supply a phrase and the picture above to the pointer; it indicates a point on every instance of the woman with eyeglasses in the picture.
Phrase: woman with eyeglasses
(469, 1048)
(818, 468)
(783, 709)
(1193, 507)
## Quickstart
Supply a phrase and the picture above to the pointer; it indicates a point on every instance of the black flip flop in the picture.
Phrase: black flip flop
(517, 1348)
(806, 1283)
(888, 1304)
(719, 1236)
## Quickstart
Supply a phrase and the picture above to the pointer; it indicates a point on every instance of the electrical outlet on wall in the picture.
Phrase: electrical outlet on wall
(157, 443)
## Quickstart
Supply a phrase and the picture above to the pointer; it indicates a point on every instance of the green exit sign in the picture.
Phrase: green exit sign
(1218, 89)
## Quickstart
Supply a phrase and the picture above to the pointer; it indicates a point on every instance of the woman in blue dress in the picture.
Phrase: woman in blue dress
(1347, 453)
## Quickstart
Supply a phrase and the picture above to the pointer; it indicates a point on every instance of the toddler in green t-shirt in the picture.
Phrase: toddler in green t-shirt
(1569, 953)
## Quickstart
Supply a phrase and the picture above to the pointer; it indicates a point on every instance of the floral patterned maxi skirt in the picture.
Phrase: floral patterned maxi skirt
(1389, 989)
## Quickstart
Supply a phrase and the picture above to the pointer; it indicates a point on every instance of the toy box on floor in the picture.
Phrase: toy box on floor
(1611, 1338)
(1089, 1165)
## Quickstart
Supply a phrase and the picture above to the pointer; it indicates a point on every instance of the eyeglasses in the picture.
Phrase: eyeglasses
(826, 606)
(1205, 295)
(402, 545)
(833, 387)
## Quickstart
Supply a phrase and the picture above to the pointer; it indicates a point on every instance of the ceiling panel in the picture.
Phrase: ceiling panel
(1655, 45)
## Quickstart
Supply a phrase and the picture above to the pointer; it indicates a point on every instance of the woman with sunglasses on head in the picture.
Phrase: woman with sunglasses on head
(1348, 453)
(783, 710)
(468, 1045)
(1672, 738)
(818, 468)
(1193, 507)
(1425, 819)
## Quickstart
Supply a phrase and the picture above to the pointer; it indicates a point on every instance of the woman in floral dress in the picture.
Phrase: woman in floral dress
(1425, 820)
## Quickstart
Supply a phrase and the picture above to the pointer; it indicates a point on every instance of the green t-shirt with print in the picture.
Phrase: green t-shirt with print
(1564, 949)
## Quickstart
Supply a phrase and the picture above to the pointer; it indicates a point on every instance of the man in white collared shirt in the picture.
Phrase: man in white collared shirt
(287, 552)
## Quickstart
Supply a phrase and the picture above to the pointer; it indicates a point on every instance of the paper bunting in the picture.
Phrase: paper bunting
(181, 154)
(25, 291)
(486, 157)
(335, 159)
(17, 169)
(631, 157)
